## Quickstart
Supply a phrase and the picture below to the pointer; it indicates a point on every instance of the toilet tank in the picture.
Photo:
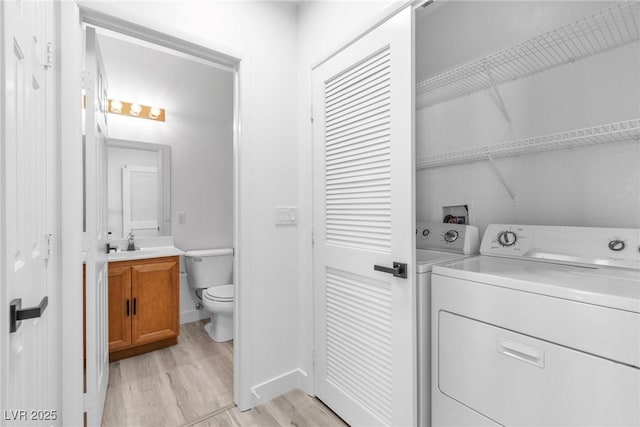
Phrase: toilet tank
(209, 267)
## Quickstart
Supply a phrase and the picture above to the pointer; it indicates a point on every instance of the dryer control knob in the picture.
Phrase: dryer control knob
(616, 245)
(507, 238)
(451, 236)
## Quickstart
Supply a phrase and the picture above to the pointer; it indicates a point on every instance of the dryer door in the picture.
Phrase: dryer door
(514, 379)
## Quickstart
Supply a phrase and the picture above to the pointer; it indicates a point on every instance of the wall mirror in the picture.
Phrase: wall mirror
(138, 188)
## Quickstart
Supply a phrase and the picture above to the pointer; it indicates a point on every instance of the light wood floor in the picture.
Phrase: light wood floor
(191, 384)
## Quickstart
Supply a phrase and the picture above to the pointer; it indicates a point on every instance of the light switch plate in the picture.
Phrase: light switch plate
(286, 215)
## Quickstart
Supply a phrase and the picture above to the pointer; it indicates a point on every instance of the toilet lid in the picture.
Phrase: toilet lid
(219, 293)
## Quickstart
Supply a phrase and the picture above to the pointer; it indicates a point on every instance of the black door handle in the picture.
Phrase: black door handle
(17, 314)
(399, 269)
(135, 306)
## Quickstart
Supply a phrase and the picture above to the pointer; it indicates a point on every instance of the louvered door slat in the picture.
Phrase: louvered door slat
(373, 164)
(369, 190)
(372, 222)
(356, 153)
(354, 111)
(365, 95)
(376, 87)
(356, 150)
(366, 67)
(377, 120)
(360, 242)
(359, 178)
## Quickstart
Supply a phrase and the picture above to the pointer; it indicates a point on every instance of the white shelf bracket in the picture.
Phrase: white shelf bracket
(501, 178)
(497, 97)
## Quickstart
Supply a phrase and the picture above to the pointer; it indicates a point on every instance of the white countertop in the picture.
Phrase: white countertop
(145, 253)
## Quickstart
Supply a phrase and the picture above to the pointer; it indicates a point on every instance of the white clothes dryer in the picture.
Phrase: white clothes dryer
(541, 329)
(435, 242)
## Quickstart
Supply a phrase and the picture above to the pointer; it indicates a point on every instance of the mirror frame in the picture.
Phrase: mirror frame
(164, 173)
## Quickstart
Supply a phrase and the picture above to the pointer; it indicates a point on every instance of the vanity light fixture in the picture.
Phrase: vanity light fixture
(133, 109)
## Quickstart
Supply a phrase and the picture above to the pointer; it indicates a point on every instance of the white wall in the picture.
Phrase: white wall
(589, 186)
(264, 36)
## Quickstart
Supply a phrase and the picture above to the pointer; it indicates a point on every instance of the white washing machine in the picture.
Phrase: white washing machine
(541, 329)
(435, 242)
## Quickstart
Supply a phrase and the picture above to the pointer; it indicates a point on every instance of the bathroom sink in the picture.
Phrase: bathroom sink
(143, 253)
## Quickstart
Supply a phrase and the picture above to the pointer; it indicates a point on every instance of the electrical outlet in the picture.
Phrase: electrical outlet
(182, 217)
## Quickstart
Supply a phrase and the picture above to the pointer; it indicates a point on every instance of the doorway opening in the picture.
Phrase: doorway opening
(180, 174)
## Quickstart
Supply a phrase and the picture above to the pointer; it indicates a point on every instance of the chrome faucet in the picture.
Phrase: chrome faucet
(131, 245)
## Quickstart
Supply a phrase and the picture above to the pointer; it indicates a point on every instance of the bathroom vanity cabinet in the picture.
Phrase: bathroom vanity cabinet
(143, 305)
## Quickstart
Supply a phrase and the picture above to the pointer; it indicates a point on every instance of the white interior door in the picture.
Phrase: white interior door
(28, 382)
(97, 335)
(140, 191)
(365, 367)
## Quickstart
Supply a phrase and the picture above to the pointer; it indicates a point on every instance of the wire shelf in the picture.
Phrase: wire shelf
(621, 131)
(607, 29)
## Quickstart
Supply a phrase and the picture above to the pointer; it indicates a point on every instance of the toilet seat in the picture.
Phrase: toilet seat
(219, 293)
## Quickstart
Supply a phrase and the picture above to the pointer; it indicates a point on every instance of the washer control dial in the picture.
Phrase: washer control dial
(507, 238)
(451, 236)
(425, 232)
(616, 245)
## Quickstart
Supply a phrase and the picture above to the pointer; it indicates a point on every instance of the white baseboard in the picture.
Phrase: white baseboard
(278, 386)
(192, 315)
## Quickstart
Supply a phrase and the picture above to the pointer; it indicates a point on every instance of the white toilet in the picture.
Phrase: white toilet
(210, 271)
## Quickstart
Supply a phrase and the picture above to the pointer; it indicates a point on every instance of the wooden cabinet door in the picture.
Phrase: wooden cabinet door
(155, 301)
(120, 309)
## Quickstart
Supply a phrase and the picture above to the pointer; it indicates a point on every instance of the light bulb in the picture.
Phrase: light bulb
(154, 112)
(116, 106)
(135, 109)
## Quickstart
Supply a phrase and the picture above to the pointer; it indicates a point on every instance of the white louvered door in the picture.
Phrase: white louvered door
(365, 367)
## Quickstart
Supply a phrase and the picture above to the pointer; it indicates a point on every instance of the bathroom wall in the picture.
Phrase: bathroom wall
(589, 186)
(263, 35)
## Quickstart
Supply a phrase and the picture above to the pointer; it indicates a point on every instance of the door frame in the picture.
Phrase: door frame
(73, 15)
